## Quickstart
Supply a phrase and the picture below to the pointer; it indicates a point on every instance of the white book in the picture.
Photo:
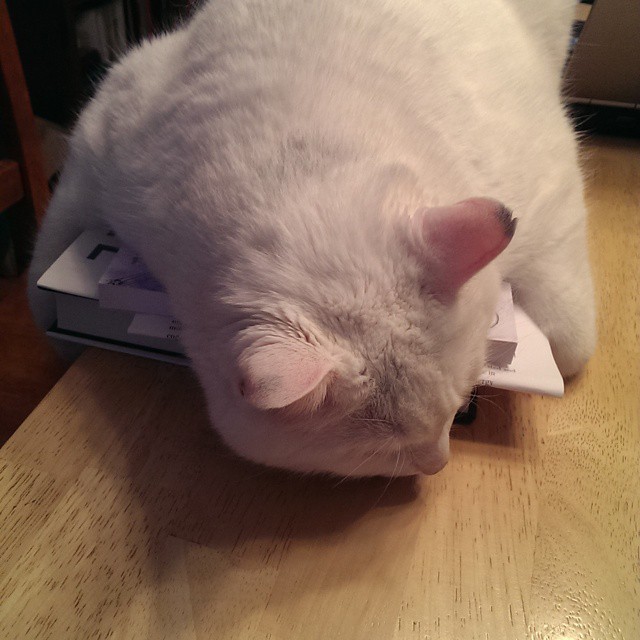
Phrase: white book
(74, 279)
(84, 316)
(133, 350)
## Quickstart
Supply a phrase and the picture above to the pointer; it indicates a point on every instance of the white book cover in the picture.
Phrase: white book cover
(78, 269)
(128, 285)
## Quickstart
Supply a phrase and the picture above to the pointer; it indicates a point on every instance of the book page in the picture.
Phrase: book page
(533, 369)
(154, 326)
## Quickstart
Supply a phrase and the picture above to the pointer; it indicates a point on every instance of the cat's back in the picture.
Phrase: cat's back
(443, 78)
(463, 92)
(373, 46)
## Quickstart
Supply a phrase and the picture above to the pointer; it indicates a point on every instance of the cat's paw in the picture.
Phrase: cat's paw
(572, 353)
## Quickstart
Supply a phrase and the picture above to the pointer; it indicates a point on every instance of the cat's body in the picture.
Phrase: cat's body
(275, 164)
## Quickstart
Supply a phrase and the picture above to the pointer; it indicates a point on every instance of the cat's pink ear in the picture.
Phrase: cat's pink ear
(459, 240)
(277, 373)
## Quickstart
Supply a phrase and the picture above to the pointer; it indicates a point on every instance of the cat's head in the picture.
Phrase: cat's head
(361, 371)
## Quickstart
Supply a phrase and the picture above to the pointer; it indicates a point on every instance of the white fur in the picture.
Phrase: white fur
(266, 160)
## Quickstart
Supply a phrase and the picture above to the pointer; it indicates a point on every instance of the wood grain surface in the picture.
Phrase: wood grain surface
(123, 517)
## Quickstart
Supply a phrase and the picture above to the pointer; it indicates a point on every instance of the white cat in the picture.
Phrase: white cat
(290, 171)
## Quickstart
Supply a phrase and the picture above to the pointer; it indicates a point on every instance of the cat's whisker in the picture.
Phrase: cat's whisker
(488, 400)
(381, 420)
(489, 395)
(378, 421)
(391, 479)
(374, 453)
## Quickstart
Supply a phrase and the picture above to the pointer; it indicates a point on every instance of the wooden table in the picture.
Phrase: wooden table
(123, 517)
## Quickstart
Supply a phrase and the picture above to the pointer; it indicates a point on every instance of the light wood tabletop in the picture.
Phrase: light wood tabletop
(123, 517)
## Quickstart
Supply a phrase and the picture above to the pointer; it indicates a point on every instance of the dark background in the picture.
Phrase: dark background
(61, 76)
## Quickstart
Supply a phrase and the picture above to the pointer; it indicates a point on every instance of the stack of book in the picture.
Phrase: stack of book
(106, 297)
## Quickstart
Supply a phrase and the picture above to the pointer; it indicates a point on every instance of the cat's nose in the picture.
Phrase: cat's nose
(432, 457)
(432, 466)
